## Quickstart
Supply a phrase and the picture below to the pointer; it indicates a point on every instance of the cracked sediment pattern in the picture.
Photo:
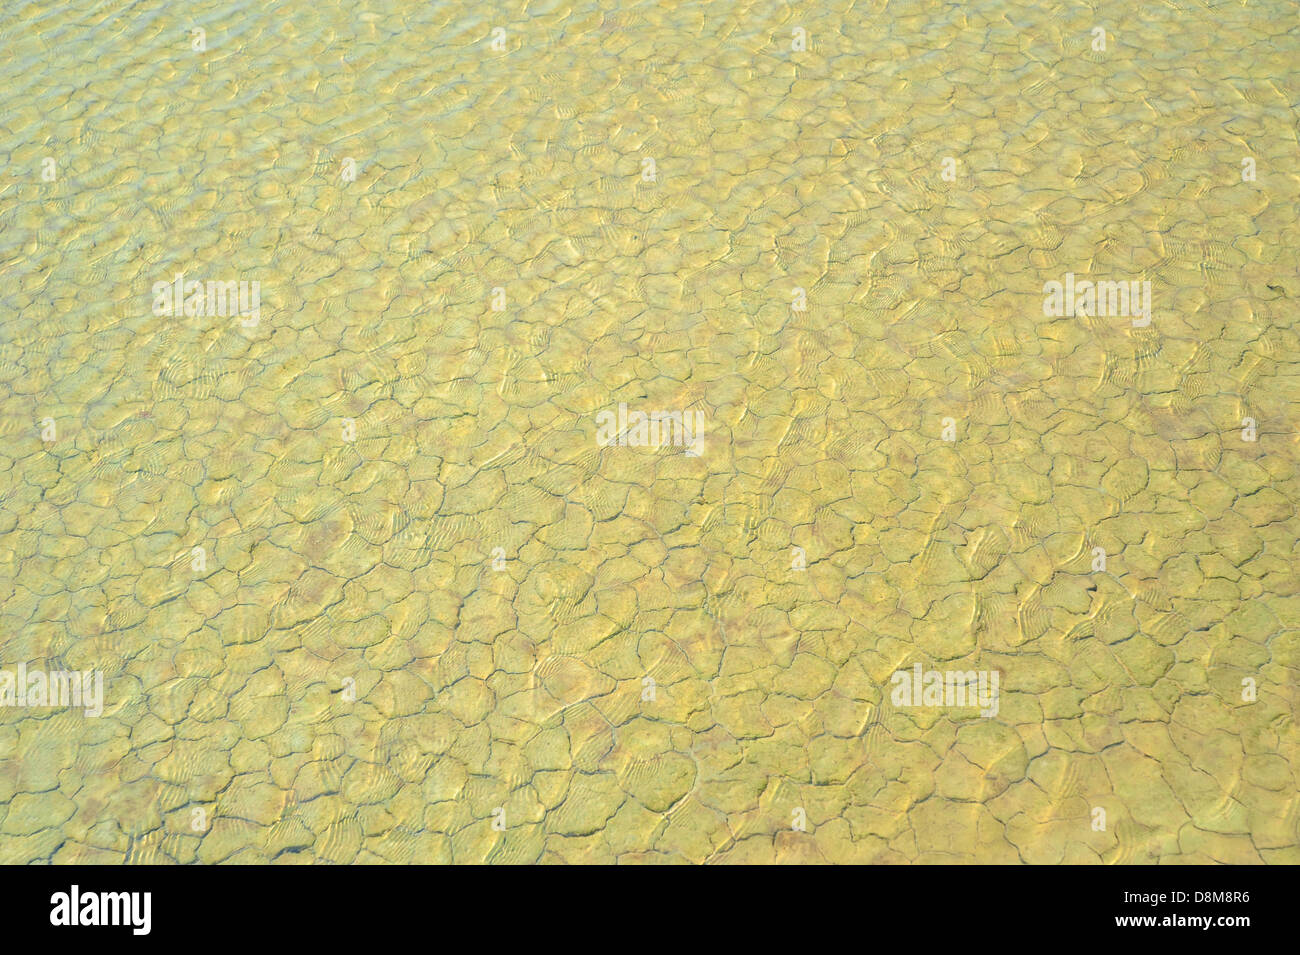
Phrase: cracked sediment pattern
(368, 568)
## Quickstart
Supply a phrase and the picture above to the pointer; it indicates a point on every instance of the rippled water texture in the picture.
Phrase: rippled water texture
(363, 584)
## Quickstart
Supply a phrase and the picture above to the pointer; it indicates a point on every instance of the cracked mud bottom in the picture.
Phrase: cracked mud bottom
(363, 582)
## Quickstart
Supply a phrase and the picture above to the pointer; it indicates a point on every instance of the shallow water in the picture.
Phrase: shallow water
(363, 579)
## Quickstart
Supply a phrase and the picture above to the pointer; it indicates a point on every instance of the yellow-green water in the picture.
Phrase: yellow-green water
(343, 674)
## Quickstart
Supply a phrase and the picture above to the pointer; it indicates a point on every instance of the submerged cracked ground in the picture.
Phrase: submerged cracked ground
(364, 583)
